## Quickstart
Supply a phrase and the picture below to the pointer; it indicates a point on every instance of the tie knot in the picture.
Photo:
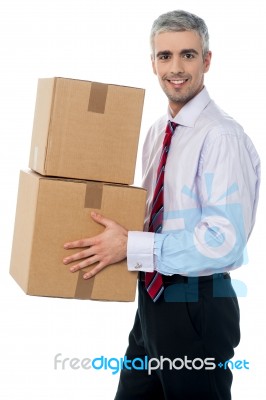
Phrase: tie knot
(170, 129)
(172, 125)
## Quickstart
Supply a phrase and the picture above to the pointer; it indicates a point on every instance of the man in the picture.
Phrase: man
(201, 172)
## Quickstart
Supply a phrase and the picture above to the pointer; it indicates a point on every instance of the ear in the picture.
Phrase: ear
(207, 61)
(153, 64)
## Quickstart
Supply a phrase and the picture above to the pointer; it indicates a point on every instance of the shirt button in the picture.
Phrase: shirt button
(138, 266)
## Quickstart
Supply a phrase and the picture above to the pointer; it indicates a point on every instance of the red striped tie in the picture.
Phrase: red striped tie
(153, 280)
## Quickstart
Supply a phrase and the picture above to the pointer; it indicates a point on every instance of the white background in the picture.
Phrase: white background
(107, 41)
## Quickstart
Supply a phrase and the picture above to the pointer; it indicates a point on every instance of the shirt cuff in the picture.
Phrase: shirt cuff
(140, 251)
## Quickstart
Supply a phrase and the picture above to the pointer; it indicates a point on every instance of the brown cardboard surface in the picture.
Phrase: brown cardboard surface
(86, 130)
(52, 211)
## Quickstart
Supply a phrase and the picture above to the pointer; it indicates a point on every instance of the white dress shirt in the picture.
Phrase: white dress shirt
(210, 194)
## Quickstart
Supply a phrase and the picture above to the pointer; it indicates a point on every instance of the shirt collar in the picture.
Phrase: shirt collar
(189, 114)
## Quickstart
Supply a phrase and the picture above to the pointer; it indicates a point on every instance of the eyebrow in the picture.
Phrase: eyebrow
(163, 53)
(184, 51)
(193, 51)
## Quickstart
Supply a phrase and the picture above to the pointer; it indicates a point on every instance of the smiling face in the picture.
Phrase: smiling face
(180, 66)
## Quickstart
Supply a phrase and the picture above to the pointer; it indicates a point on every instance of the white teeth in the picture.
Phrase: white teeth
(177, 82)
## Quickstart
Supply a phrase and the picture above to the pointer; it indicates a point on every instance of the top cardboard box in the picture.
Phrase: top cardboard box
(86, 130)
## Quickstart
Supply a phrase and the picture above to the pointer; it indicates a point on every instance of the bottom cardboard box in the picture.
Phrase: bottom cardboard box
(53, 211)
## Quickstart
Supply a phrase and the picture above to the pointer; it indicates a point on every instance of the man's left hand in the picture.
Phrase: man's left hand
(106, 248)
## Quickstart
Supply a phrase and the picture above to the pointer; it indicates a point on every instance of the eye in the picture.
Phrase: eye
(164, 57)
(189, 56)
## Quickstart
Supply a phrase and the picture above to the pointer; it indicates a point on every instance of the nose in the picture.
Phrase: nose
(177, 66)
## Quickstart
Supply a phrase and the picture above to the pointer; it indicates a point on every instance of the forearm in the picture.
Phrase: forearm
(213, 242)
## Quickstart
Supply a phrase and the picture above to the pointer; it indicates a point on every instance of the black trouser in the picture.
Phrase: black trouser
(197, 319)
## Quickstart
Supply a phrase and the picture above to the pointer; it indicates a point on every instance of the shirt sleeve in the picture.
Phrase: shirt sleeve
(213, 235)
(215, 232)
(140, 251)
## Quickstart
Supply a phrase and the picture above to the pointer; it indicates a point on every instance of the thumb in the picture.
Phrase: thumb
(100, 219)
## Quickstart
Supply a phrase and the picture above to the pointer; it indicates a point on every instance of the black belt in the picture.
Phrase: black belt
(184, 279)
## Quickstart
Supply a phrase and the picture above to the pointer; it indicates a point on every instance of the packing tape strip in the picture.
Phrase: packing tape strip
(98, 96)
(84, 287)
(93, 196)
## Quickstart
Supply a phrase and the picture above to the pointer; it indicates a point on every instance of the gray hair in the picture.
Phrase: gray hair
(180, 21)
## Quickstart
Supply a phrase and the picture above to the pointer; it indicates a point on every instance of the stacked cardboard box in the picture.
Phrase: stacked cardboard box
(82, 158)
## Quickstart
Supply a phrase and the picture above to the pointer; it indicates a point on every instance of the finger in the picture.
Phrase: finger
(79, 243)
(79, 256)
(95, 270)
(84, 264)
(101, 220)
